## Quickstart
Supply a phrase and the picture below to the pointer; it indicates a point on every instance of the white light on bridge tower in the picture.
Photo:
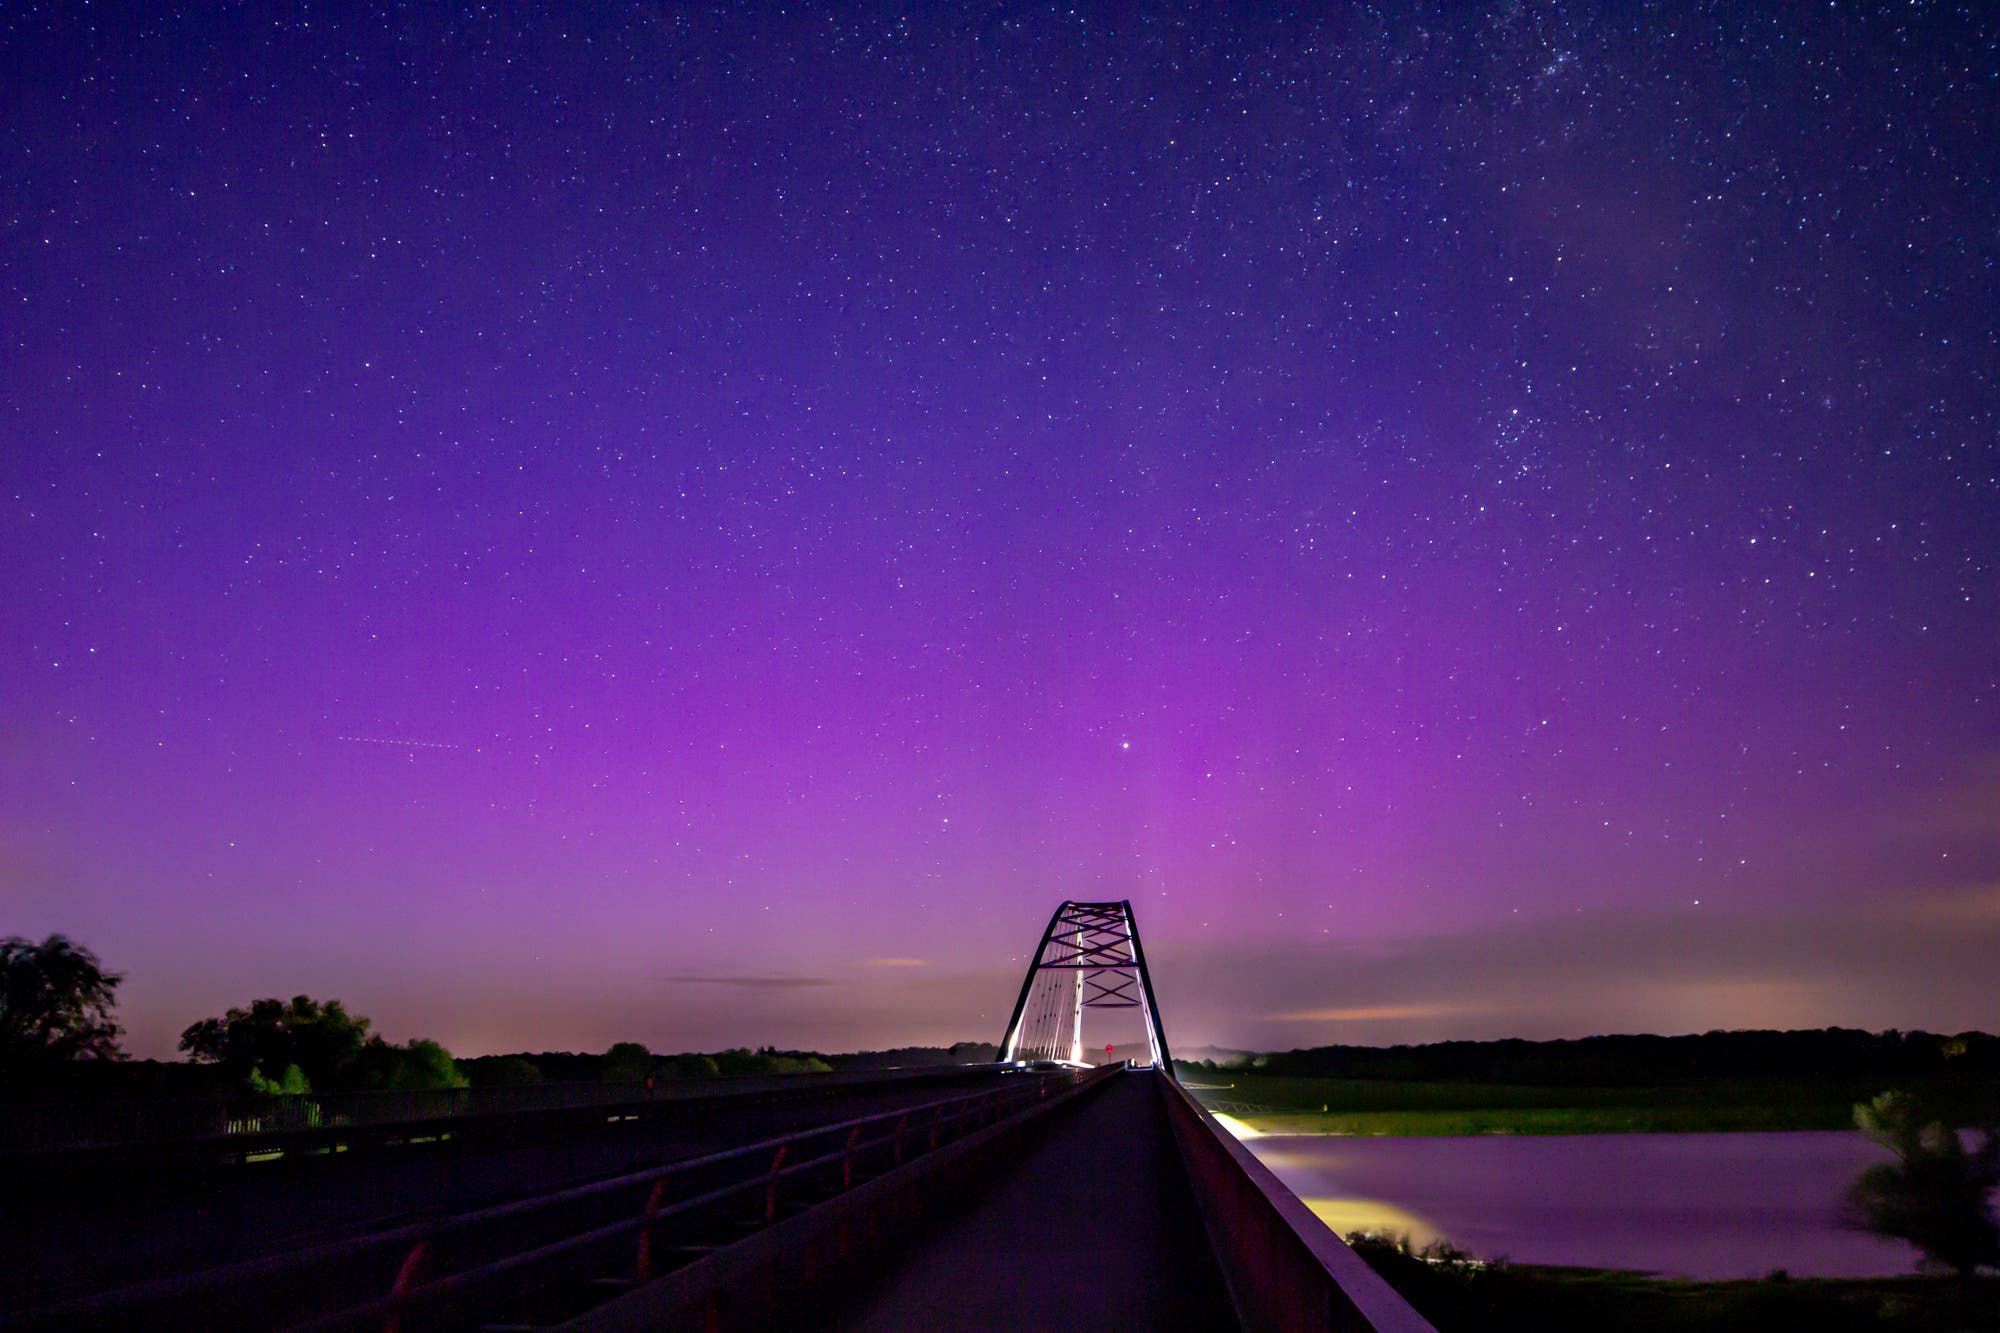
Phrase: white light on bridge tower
(1089, 958)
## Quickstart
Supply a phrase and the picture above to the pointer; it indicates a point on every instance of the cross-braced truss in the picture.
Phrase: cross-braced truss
(1089, 958)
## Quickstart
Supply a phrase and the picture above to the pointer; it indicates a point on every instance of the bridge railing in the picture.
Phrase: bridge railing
(620, 1231)
(1284, 1268)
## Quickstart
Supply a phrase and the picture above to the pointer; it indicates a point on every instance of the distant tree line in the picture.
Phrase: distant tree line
(58, 1040)
(919, 1057)
(1637, 1060)
(630, 1062)
(56, 1003)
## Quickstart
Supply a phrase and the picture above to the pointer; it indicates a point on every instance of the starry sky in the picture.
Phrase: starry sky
(568, 524)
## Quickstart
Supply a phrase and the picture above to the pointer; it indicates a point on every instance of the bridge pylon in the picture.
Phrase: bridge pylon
(1089, 958)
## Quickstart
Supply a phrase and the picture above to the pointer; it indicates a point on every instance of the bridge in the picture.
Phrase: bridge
(1041, 1192)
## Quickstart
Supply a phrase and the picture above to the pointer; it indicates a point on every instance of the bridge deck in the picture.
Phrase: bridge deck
(1095, 1228)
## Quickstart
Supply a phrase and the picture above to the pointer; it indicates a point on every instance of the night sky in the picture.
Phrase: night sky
(636, 522)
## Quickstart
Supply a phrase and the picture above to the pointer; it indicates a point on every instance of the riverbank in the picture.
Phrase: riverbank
(1459, 1293)
(1282, 1104)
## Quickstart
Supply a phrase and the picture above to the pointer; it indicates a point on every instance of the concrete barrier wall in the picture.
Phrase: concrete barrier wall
(1285, 1269)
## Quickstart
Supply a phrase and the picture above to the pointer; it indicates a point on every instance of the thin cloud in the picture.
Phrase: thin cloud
(749, 983)
(1975, 905)
(1381, 1012)
(1916, 959)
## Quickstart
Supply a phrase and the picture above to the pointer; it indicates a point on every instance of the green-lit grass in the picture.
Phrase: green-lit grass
(1275, 1104)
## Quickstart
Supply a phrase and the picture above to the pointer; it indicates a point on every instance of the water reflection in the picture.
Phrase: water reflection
(1384, 1219)
(1696, 1205)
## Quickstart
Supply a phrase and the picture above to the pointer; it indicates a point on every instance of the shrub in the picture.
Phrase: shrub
(1936, 1194)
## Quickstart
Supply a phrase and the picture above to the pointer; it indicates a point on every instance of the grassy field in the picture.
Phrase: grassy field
(1286, 1105)
(1456, 1294)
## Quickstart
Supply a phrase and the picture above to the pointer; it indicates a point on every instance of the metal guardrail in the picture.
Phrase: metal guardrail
(31, 1128)
(605, 1236)
(1285, 1270)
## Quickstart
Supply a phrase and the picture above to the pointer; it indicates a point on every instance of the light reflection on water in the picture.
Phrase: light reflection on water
(1239, 1128)
(1696, 1205)
(1345, 1216)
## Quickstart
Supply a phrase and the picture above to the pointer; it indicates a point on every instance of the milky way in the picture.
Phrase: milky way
(510, 515)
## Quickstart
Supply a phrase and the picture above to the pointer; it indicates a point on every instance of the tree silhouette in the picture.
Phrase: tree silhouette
(1935, 1194)
(304, 1045)
(513, 1071)
(417, 1064)
(626, 1062)
(55, 1004)
(276, 1044)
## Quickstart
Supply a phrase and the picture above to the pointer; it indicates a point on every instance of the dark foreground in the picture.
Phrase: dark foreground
(67, 1237)
(1023, 1199)
(1460, 1295)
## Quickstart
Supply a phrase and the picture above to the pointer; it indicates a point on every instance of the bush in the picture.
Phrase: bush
(291, 1082)
(1936, 1194)
(1449, 1286)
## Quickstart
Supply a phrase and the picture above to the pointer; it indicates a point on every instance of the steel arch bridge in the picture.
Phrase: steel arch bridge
(867, 1201)
(1089, 958)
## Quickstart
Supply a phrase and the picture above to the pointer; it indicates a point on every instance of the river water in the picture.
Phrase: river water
(1694, 1205)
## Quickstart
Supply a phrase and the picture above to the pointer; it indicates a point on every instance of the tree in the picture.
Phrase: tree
(55, 1004)
(273, 1037)
(1936, 1194)
(415, 1065)
(626, 1062)
(513, 1071)
(303, 1045)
